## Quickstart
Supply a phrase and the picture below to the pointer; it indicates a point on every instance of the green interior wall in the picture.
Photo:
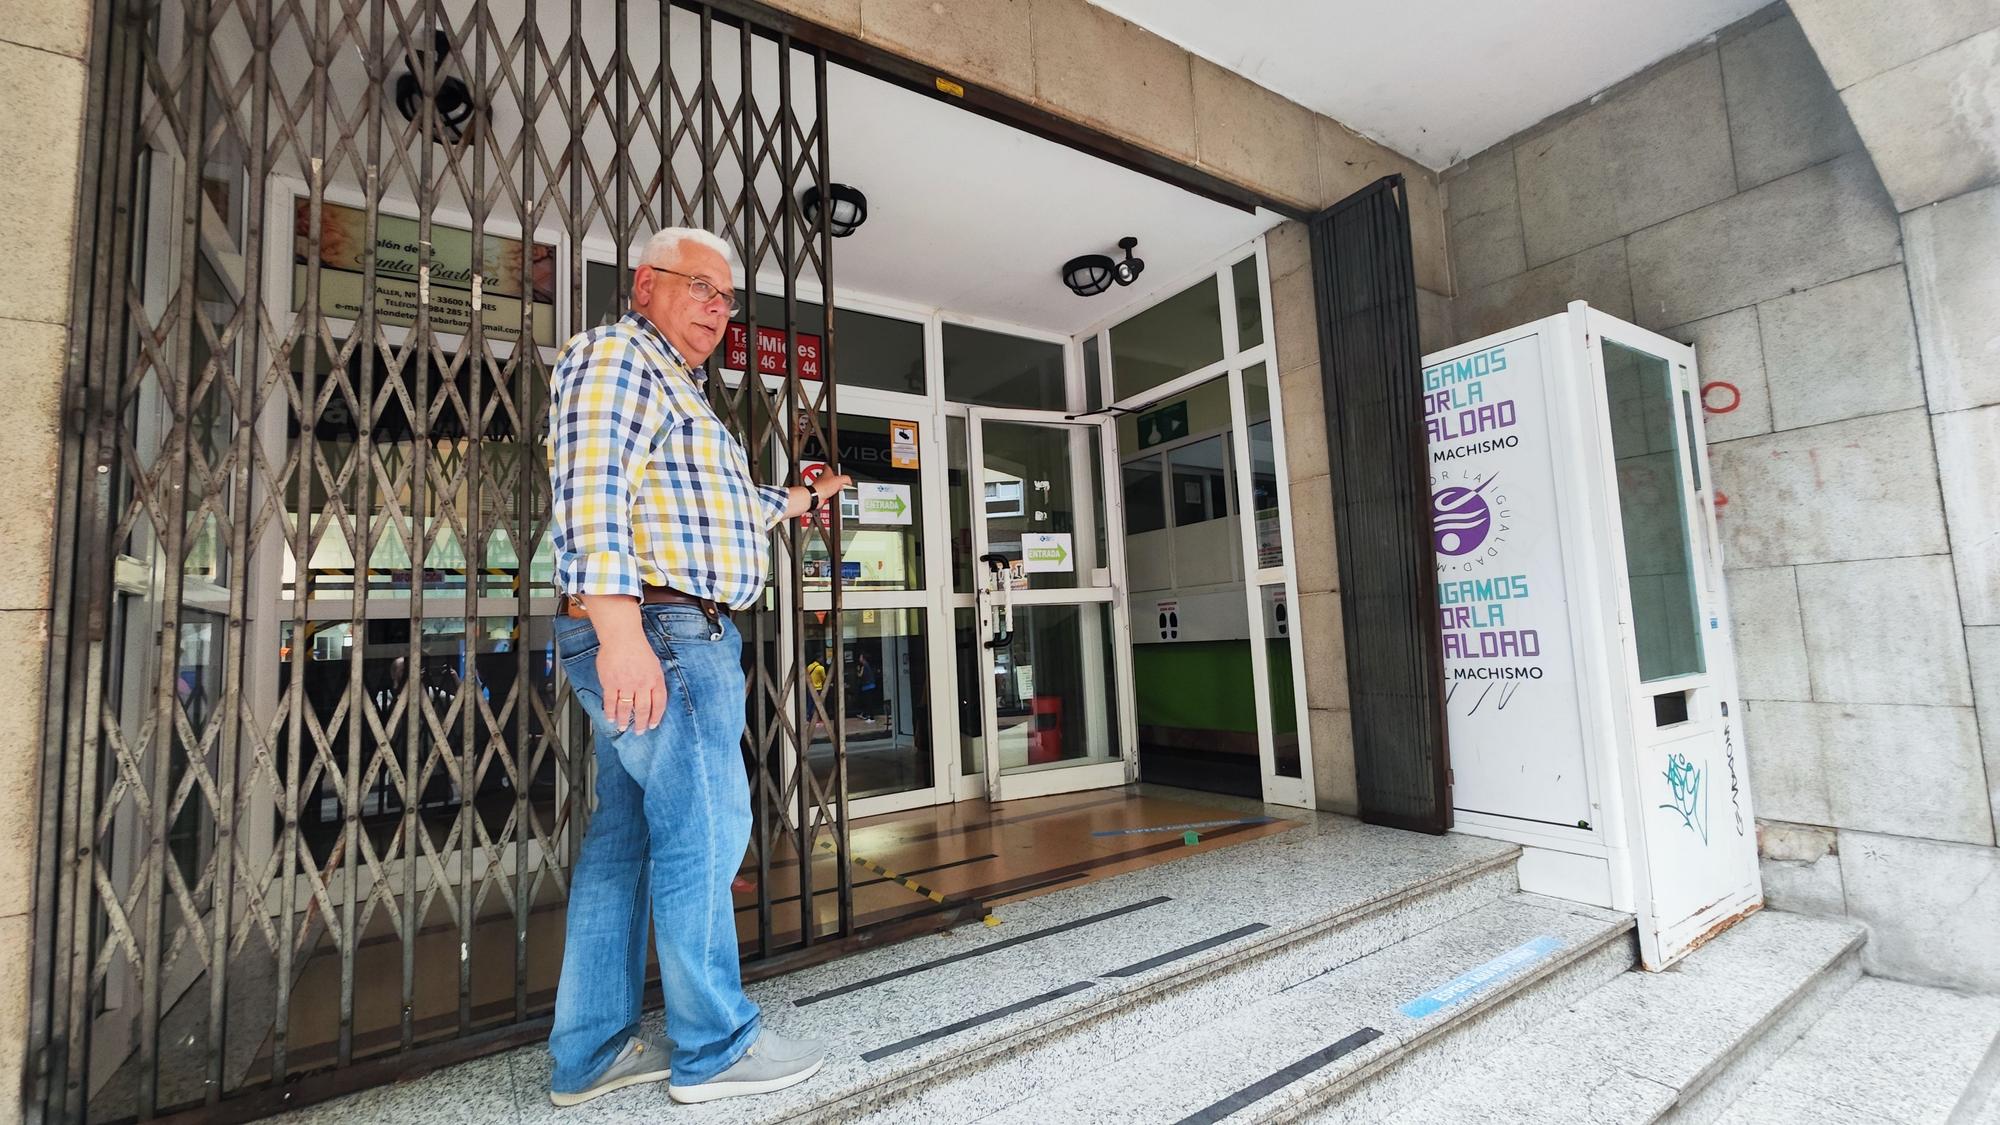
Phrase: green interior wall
(1208, 685)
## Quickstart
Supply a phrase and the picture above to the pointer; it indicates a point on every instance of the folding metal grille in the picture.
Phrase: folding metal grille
(319, 781)
(1366, 291)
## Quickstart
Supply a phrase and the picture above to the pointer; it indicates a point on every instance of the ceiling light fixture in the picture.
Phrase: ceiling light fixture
(1091, 274)
(453, 100)
(849, 210)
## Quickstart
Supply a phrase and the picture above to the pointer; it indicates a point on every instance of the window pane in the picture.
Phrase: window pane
(1180, 334)
(414, 703)
(1029, 489)
(971, 707)
(887, 701)
(1249, 305)
(881, 543)
(958, 476)
(1264, 469)
(1651, 499)
(991, 369)
(1093, 377)
(1284, 717)
(1145, 496)
(603, 293)
(1200, 481)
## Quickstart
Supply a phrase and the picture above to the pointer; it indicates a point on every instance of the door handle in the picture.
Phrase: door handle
(996, 571)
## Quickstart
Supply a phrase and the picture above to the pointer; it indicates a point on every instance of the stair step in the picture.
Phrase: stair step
(1884, 1052)
(1681, 1044)
(1263, 915)
(1357, 1024)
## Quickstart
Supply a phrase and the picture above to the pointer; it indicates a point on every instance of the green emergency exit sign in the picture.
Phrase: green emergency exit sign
(1168, 423)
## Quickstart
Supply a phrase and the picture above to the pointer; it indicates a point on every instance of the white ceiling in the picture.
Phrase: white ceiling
(1437, 80)
(977, 218)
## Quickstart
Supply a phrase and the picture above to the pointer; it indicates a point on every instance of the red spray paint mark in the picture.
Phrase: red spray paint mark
(1715, 405)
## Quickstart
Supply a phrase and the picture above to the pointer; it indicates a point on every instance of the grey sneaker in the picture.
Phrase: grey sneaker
(643, 1060)
(772, 1063)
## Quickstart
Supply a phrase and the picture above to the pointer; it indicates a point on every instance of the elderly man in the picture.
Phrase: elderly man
(660, 534)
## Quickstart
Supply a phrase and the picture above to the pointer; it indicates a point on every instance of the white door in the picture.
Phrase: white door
(1049, 626)
(1691, 816)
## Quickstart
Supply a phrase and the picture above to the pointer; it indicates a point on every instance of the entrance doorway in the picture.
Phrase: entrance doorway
(1206, 528)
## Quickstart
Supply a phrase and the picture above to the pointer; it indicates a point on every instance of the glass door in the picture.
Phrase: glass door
(1047, 630)
(882, 638)
(1695, 827)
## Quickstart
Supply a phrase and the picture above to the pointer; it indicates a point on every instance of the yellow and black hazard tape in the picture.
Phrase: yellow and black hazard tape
(992, 919)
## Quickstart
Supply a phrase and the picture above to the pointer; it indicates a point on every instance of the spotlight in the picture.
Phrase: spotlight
(1129, 270)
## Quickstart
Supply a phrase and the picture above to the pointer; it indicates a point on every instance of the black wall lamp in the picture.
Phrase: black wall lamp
(849, 210)
(453, 99)
(1091, 274)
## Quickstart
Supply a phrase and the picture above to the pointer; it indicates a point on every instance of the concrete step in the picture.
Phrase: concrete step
(1225, 928)
(1376, 1027)
(1680, 1045)
(1884, 1051)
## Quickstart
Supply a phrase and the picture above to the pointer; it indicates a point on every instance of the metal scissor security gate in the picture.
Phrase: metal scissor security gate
(315, 784)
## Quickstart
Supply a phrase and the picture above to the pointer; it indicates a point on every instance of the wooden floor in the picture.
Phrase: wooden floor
(972, 854)
(974, 851)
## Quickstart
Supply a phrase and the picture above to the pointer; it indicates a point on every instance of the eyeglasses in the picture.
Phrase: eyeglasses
(700, 289)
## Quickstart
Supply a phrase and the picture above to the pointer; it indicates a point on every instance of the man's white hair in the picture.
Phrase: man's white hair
(664, 248)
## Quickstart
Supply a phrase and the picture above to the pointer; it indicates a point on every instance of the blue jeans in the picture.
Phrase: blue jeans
(671, 824)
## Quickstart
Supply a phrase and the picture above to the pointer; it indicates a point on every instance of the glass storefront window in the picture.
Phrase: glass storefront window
(991, 369)
(1249, 305)
(507, 666)
(887, 703)
(1180, 334)
(500, 494)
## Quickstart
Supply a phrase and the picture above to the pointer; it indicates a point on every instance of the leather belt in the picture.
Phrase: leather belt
(569, 605)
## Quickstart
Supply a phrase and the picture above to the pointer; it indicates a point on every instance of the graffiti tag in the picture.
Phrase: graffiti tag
(1688, 799)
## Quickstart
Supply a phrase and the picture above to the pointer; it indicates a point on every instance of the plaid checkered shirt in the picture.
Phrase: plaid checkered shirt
(649, 486)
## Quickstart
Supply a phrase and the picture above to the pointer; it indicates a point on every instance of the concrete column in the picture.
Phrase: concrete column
(43, 78)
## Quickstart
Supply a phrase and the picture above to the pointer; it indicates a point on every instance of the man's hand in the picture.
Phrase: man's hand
(825, 488)
(635, 686)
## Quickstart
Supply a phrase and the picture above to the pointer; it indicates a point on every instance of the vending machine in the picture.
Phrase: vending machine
(1589, 675)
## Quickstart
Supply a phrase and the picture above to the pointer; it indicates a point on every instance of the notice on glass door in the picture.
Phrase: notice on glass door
(903, 444)
(885, 503)
(1047, 554)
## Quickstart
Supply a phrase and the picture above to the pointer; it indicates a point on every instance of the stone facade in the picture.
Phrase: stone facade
(1734, 197)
